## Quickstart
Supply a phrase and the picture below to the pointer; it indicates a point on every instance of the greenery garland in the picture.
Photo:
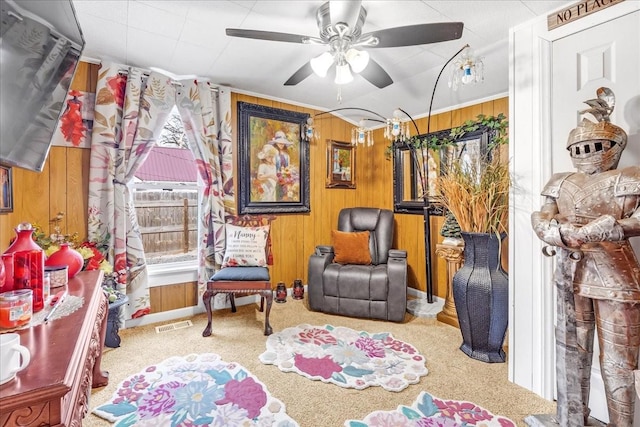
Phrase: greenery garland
(496, 125)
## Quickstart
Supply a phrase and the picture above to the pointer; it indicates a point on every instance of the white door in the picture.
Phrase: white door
(604, 55)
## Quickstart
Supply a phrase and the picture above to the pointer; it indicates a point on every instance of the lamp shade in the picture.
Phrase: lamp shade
(320, 64)
(357, 59)
(343, 74)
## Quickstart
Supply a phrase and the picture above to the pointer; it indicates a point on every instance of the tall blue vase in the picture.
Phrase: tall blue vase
(481, 295)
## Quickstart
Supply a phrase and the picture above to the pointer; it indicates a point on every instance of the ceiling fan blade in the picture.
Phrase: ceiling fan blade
(302, 73)
(412, 35)
(270, 35)
(344, 11)
(376, 74)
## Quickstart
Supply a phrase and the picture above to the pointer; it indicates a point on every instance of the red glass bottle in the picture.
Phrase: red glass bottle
(7, 262)
(66, 256)
(27, 275)
(3, 277)
(28, 264)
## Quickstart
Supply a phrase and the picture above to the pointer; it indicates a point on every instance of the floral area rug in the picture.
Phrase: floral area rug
(429, 410)
(196, 390)
(345, 357)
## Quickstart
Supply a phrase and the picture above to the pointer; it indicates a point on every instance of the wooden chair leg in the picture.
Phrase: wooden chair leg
(232, 299)
(261, 288)
(267, 326)
(206, 299)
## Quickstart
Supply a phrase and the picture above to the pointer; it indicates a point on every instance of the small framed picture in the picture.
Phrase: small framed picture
(6, 189)
(341, 165)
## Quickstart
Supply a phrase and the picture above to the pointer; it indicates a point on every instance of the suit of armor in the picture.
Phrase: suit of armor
(588, 217)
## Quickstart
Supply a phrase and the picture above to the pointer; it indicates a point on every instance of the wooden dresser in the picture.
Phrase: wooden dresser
(54, 389)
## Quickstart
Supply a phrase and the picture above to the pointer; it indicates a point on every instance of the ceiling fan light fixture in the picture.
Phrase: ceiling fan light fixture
(321, 64)
(358, 59)
(343, 74)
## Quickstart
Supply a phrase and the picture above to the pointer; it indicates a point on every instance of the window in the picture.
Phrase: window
(167, 199)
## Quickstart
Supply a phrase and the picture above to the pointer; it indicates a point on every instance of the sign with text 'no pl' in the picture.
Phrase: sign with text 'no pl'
(576, 11)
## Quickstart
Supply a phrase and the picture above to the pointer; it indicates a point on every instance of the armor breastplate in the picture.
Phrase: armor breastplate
(583, 198)
(607, 270)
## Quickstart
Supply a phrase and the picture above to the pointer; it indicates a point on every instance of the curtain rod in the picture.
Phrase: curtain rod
(173, 82)
(55, 34)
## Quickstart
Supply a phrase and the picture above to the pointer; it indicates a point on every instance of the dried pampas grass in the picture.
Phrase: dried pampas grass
(477, 194)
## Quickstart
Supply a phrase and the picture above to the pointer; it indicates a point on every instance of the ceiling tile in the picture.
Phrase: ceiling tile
(188, 37)
(147, 47)
(110, 10)
(152, 19)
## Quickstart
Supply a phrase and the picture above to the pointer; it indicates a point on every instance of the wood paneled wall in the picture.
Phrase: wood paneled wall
(295, 236)
(63, 187)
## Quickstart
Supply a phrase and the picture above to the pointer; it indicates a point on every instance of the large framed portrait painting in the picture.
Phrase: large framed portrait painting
(273, 160)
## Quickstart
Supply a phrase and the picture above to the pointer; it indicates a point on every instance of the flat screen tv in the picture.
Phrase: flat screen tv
(40, 47)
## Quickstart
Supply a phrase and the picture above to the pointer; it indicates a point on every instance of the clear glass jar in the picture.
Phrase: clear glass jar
(46, 286)
(16, 308)
(57, 275)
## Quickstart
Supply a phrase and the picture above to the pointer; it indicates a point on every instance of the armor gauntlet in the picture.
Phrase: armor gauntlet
(547, 230)
(603, 229)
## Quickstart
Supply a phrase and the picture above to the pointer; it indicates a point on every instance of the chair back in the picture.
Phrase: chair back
(254, 221)
(378, 222)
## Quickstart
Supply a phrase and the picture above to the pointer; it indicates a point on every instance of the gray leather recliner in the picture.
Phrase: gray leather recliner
(376, 291)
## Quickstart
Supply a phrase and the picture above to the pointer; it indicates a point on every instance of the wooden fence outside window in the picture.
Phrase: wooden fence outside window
(168, 224)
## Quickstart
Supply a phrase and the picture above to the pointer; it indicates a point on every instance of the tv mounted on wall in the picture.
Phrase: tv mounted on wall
(40, 47)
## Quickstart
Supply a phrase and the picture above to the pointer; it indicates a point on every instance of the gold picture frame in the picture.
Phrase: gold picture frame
(6, 187)
(341, 165)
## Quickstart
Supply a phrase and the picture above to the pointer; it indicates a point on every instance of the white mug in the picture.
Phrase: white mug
(10, 352)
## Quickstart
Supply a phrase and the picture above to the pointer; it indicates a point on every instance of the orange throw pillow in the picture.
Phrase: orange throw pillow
(351, 247)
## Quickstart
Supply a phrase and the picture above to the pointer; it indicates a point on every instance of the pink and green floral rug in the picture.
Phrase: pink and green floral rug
(196, 390)
(345, 357)
(429, 411)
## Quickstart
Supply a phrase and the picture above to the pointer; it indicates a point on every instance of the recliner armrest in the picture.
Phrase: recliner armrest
(318, 261)
(397, 274)
(324, 249)
(397, 253)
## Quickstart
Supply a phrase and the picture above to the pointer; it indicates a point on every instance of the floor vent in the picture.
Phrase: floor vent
(173, 326)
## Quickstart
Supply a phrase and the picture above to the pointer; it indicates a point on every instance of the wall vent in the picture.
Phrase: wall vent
(174, 326)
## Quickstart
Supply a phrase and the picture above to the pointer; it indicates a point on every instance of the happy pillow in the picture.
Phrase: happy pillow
(246, 246)
(351, 247)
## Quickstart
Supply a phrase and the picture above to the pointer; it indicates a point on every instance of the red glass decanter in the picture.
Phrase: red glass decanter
(28, 264)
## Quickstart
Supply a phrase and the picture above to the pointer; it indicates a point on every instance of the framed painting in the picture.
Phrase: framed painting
(6, 187)
(415, 172)
(341, 165)
(76, 122)
(273, 160)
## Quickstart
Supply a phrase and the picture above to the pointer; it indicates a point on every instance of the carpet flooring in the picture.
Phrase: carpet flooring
(238, 337)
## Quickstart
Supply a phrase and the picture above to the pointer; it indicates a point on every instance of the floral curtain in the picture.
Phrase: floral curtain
(131, 109)
(206, 114)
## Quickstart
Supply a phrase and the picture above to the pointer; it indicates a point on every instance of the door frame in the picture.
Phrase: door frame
(531, 326)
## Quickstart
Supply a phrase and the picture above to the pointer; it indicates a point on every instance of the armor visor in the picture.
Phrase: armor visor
(595, 156)
(596, 147)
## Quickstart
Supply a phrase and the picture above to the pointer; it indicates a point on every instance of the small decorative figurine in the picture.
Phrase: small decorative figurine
(298, 289)
(281, 292)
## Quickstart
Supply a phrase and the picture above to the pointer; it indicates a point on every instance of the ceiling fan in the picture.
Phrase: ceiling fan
(340, 28)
